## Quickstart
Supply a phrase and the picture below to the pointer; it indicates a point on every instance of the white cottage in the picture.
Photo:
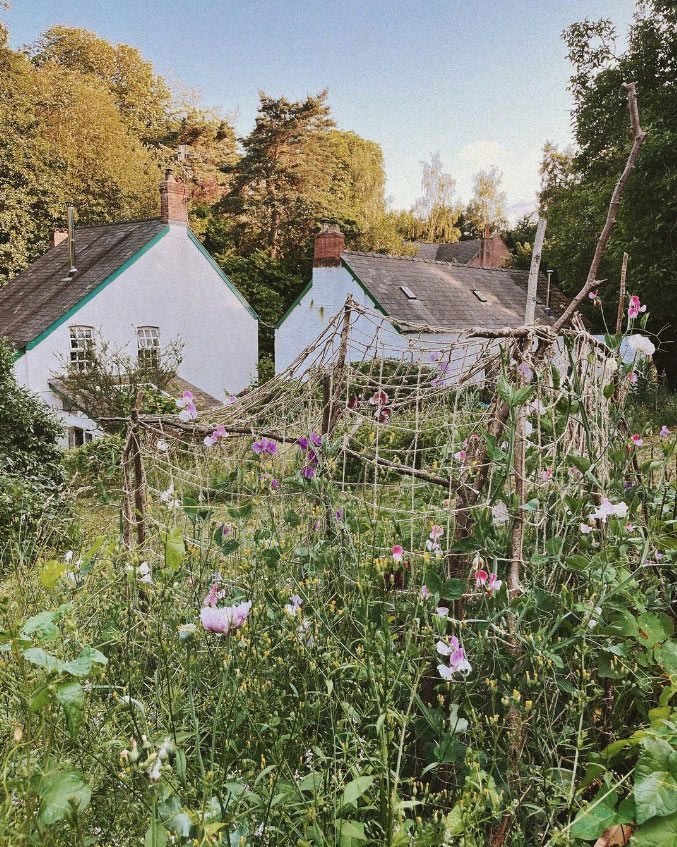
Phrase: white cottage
(447, 296)
(140, 285)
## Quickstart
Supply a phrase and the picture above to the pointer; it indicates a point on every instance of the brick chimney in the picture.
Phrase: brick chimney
(173, 200)
(57, 236)
(329, 243)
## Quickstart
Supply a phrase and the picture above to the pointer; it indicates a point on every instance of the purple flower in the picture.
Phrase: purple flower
(308, 472)
(664, 432)
(316, 439)
(339, 515)
(303, 443)
(274, 484)
(525, 370)
(227, 619)
(264, 446)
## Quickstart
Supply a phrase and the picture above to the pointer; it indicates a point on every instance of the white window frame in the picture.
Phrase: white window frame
(81, 343)
(148, 345)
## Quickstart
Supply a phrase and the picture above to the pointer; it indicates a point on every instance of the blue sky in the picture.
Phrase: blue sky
(482, 81)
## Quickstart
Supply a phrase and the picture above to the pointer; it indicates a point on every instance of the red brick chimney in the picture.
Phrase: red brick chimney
(485, 248)
(173, 200)
(57, 236)
(329, 243)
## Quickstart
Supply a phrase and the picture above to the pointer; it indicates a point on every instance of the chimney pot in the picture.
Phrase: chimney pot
(58, 235)
(173, 200)
(329, 244)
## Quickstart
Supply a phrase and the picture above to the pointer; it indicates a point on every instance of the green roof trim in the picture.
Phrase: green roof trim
(219, 270)
(297, 300)
(57, 323)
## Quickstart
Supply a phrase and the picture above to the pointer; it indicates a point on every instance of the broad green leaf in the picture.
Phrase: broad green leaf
(610, 667)
(41, 626)
(173, 817)
(51, 572)
(433, 582)
(60, 791)
(243, 512)
(39, 697)
(655, 779)
(666, 656)
(95, 655)
(43, 659)
(156, 835)
(596, 817)
(654, 629)
(466, 545)
(453, 823)
(454, 588)
(72, 698)
(505, 390)
(310, 782)
(580, 462)
(355, 789)
(291, 518)
(230, 546)
(350, 831)
(657, 832)
(174, 548)
(520, 397)
(79, 667)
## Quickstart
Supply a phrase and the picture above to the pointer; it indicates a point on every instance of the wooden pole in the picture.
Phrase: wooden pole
(532, 287)
(621, 295)
(139, 474)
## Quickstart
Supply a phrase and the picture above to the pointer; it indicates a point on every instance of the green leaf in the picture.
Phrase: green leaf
(466, 545)
(72, 698)
(609, 389)
(453, 588)
(43, 659)
(291, 518)
(654, 629)
(39, 697)
(156, 835)
(230, 546)
(658, 832)
(60, 791)
(609, 669)
(310, 782)
(596, 817)
(580, 462)
(350, 831)
(433, 582)
(666, 656)
(79, 667)
(175, 549)
(521, 396)
(505, 390)
(655, 779)
(453, 823)
(41, 626)
(243, 512)
(355, 789)
(173, 817)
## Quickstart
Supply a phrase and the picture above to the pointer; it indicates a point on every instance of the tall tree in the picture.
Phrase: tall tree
(646, 220)
(277, 183)
(436, 211)
(487, 206)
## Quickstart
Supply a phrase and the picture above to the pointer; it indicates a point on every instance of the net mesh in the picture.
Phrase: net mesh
(401, 420)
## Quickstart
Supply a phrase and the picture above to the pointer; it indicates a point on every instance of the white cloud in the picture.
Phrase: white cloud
(484, 153)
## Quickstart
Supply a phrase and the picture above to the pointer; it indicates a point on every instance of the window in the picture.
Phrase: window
(479, 295)
(408, 292)
(149, 346)
(81, 347)
(78, 436)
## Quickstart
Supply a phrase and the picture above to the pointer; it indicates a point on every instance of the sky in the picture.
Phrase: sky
(482, 81)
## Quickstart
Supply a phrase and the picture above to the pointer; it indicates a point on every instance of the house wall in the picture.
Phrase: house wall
(172, 286)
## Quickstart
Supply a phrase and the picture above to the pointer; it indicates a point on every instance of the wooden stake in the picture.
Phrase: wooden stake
(530, 314)
(621, 295)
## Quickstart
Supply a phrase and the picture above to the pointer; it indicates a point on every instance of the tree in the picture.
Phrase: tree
(436, 212)
(487, 205)
(142, 97)
(277, 184)
(646, 219)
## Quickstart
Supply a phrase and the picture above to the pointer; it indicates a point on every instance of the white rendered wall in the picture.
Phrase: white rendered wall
(172, 286)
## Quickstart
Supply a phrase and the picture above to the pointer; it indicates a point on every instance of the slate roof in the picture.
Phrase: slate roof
(444, 292)
(41, 294)
(461, 251)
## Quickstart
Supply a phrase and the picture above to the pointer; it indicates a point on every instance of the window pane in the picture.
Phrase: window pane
(148, 339)
(81, 347)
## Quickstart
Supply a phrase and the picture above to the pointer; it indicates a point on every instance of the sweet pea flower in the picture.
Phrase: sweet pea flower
(635, 307)
(441, 611)
(637, 440)
(162, 445)
(500, 513)
(185, 403)
(434, 357)
(546, 475)
(436, 532)
(264, 446)
(383, 413)
(352, 402)
(525, 370)
(227, 619)
(380, 398)
(641, 344)
(398, 552)
(481, 578)
(632, 377)
(293, 607)
(609, 509)
(144, 573)
(426, 592)
(594, 296)
(274, 484)
(339, 515)
(460, 455)
(664, 432)
(458, 662)
(585, 528)
(308, 472)
(591, 620)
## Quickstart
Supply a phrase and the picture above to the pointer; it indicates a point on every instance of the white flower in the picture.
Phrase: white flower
(155, 771)
(641, 344)
(162, 445)
(609, 509)
(68, 556)
(611, 366)
(185, 415)
(209, 441)
(500, 513)
(528, 428)
(586, 528)
(144, 573)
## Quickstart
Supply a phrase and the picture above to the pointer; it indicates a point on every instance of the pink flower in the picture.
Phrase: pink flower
(426, 592)
(383, 413)
(436, 532)
(525, 370)
(546, 475)
(481, 578)
(460, 455)
(594, 296)
(227, 619)
(664, 432)
(585, 528)
(380, 398)
(442, 611)
(308, 472)
(352, 402)
(632, 377)
(637, 440)
(458, 662)
(212, 597)
(274, 484)
(264, 446)
(635, 307)
(398, 553)
(494, 583)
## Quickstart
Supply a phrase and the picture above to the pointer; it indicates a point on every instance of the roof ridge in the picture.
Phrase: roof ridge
(119, 223)
(418, 259)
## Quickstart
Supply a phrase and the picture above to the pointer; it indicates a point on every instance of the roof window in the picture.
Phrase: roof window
(479, 295)
(408, 292)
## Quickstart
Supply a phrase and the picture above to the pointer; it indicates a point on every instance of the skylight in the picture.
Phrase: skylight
(408, 292)
(479, 295)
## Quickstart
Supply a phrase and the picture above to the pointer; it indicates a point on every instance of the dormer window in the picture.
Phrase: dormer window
(407, 292)
(148, 341)
(82, 341)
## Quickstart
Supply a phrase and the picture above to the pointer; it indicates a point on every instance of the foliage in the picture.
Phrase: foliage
(487, 206)
(577, 188)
